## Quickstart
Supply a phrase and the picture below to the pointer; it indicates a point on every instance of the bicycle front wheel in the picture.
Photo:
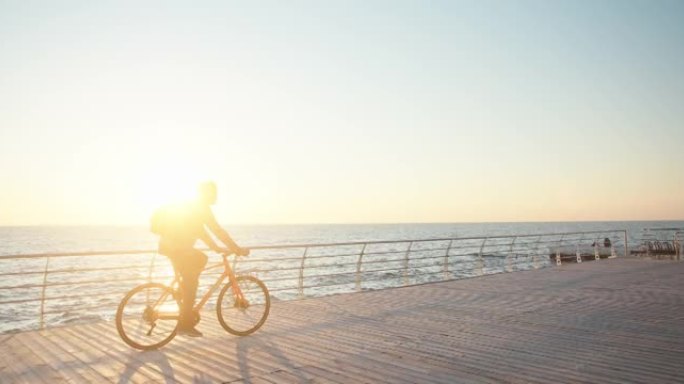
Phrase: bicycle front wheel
(147, 317)
(243, 316)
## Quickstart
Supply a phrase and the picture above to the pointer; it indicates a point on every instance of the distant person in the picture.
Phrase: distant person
(606, 242)
(179, 228)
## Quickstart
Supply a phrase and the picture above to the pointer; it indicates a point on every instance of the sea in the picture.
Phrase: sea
(88, 288)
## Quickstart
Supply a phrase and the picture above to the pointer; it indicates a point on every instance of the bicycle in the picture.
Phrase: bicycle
(147, 317)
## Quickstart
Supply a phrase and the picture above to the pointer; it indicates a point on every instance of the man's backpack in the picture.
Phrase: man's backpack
(172, 221)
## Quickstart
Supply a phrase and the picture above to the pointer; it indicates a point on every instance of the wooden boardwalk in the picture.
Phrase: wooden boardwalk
(611, 321)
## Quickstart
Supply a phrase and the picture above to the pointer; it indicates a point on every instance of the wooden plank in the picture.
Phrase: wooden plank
(155, 365)
(27, 367)
(7, 374)
(102, 355)
(61, 363)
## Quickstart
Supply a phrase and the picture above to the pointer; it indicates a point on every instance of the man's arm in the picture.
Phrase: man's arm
(204, 236)
(220, 232)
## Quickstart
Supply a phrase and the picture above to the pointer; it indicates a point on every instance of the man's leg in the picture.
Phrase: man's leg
(189, 265)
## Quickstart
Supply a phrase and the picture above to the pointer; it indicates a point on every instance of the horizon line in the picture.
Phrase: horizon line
(358, 223)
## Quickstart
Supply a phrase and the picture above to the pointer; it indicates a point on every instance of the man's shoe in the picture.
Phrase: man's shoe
(192, 332)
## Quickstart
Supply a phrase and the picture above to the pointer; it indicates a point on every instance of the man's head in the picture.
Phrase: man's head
(206, 193)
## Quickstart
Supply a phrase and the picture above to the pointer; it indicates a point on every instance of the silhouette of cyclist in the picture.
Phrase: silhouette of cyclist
(184, 224)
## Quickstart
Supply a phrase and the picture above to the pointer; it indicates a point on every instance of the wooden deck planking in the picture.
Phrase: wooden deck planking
(611, 321)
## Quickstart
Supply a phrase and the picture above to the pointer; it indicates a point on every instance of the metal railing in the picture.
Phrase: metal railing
(661, 242)
(37, 290)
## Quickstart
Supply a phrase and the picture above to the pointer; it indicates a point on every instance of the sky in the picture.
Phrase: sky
(342, 111)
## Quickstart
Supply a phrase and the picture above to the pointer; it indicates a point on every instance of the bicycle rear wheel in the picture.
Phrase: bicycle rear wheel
(239, 317)
(147, 317)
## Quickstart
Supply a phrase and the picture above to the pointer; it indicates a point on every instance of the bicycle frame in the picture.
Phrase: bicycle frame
(227, 273)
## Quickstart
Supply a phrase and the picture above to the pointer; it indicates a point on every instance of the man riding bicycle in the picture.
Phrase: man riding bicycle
(179, 228)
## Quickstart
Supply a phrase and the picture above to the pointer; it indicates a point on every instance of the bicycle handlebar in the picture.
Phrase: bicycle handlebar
(229, 253)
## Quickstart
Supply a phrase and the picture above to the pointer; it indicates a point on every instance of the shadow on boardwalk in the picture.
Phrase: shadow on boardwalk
(151, 359)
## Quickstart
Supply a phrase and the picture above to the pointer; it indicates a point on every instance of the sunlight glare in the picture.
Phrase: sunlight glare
(168, 181)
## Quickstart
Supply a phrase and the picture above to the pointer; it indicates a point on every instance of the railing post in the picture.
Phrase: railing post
(149, 274)
(674, 245)
(481, 259)
(301, 273)
(560, 244)
(626, 248)
(509, 267)
(406, 263)
(446, 261)
(358, 267)
(42, 294)
(597, 257)
(535, 263)
(578, 254)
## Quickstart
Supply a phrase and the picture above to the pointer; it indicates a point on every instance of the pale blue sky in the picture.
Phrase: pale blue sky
(349, 111)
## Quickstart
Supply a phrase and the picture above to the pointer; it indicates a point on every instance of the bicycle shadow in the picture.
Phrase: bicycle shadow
(259, 343)
(138, 360)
